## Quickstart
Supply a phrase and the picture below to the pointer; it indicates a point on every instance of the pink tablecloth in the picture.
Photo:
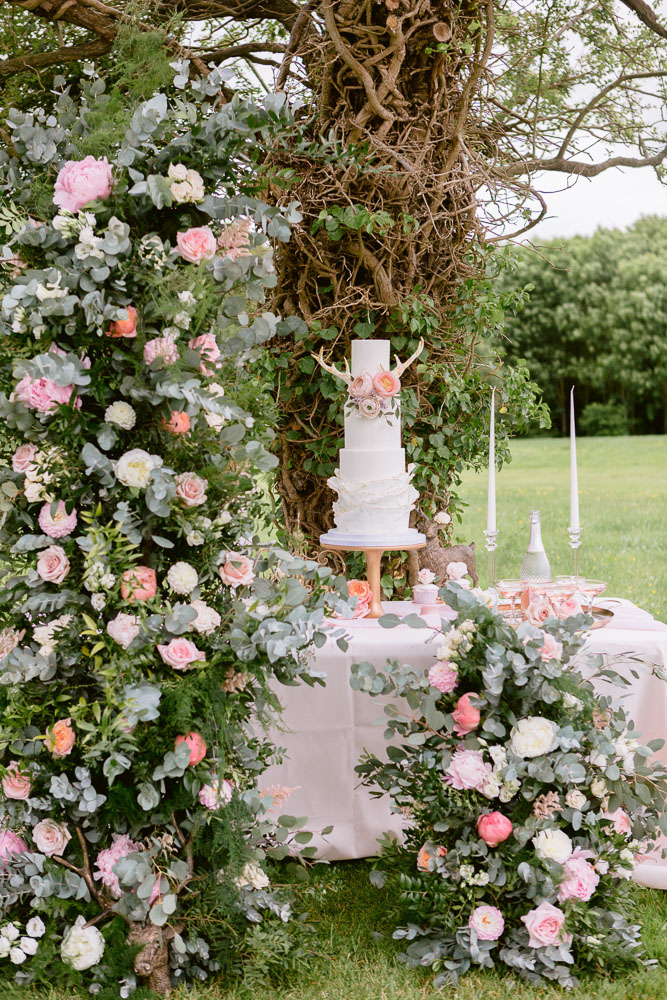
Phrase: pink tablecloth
(328, 728)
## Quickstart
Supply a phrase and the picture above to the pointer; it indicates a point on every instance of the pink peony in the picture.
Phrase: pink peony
(126, 328)
(191, 489)
(456, 570)
(214, 795)
(539, 610)
(361, 386)
(386, 384)
(466, 716)
(43, 394)
(545, 926)
(569, 607)
(23, 457)
(178, 423)
(16, 785)
(551, 649)
(53, 564)
(138, 584)
(580, 879)
(60, 738)
(443, 676)
(163, 348)
(493, 828)
(487, 922)
(424, 855)
(11, 843)
(180, 654)
(121, 846)
(51, 837)
(236, 570)
(82, 181)
(209, 351)
(467, 771)
(621, 821)
(123, 629)
(196, 745)
(57, 525)
(196, 244)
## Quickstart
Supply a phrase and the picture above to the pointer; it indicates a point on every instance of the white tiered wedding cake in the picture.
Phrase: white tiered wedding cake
(375, 492)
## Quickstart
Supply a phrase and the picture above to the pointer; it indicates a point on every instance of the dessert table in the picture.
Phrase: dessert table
(327, 729)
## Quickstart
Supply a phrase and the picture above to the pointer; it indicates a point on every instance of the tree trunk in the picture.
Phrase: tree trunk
(152, 962)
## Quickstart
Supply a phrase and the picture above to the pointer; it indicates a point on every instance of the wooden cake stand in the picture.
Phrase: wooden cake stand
(373, 566)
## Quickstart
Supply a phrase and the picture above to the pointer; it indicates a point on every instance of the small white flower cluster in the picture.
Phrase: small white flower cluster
(45, 635)
(253, 877)
(20, 320)
(489, 598)
(17, 948)
(37, 477)
(186, 185)
(69, 224)
(496, 786)
(88, 245)
(457, 641)
(50, 290)
(97, 576)
(214, 420)
(470, 877)
(198, 528)
(626, 747)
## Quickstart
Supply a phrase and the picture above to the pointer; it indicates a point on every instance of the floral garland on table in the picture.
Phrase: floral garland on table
(529, 798)
(143, 632)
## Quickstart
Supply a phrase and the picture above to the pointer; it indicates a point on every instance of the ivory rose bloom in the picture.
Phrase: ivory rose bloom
(121, 414)
(236, 570)
(466, 716)
(82, 947)
(126, 327)
(467, 770)
(487, 922)
(11, 843)
(181, 654)
(575, 799)
(361, 386)
(208, 349)
(196, 746)
(43, 394)
(60, 738)
(493, 828)
(207, 620)
(443, 676)
(386, 384)
(23, 457)
(580, 879)
(533, 737)
(191, 489)
(82, 181)
(123, 629)
(551, 649)
(58, 524)
(138, 584)
(552, 845)
(443, 518)
(187, 185)
(369, 407)
(135, 468)
(51, 837)
(545, 926)
(15, 784)
(426, 853)
(163, 348)
(196, 244)
(178, 423)
(53, 564)
(182, 578)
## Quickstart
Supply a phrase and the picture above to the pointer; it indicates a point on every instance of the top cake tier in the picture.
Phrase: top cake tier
(370, 356)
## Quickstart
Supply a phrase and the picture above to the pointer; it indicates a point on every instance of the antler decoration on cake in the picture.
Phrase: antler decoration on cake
(346, 376)
(401, 366)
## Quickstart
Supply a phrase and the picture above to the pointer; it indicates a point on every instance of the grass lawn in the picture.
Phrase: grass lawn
(623, 511)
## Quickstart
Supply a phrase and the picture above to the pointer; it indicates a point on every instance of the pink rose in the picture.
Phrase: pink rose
(138, 584)
(539, 610)
(214, 795)
(425, 854)
(465, 715)
(121, 846)
(180, 654)
(82, 181)
(123, 629)
(23, 457)
(369, 407)
(11, 843)
(178, 423)
(126, 328)
(467, 770)
(57, 525)
(237, 570)
(621, 821)
(196, 244)
(456, 570)
(163, 348)
(386, 384)
(426, 576)
(569, 607)
(53, 564)
(191, 489)
(443, 676)
(208, 349)
(580, 879)
(360, 589)
(487, 922)
(196, 745)
(50, 837)
(551, 649)
(361, 386)
(545, 926)
(493, 828)
(43, 394)
(16, 785)
(60, 738)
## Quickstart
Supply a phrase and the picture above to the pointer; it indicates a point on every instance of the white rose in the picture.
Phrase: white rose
(575, 799)
(601, 866)
(29, 945)
(253, 875)
(491, 787)
(224, 518)
(488, 598)
(182, 578)
(16, 955)
(207, 620)
(553, 845)
(196, 182)
(5, 947)
(98, 601)
(195, 537)
(533, 737)
(181, 192)
(597, 759)
(135, 468)
(35, 927)
(177, 171)
(10, 931)
(82, 947)
(599, 788)
(442, 517)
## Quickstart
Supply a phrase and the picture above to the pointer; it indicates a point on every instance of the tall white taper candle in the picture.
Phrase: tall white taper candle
(574, 480)
(491, 501)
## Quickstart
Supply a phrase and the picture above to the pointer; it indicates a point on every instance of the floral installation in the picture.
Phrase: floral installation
(142, 633)
(529, 796)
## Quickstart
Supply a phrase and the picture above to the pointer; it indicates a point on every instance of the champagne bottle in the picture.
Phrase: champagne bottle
(535, 567)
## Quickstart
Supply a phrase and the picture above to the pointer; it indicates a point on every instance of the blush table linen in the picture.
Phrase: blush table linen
(327, 729)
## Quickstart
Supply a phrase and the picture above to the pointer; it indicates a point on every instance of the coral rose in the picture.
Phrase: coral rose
(467, 770)
(82, 181)
(11, 843)
(236, 570)
(60, 738)
(23, 457)
(466, 716)
(57, 525)
(545, 926)
(53, 564)
(126, 327)
(138, 584)
(16, 785)
(487, 922)
(196, 244)
(181, 654)
(493, 828)
(362, 591)
(426, 853)
(386, 384)
(196, 746)
(178, 423)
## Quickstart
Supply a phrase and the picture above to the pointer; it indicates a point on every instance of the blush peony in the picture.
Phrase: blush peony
(361, 386)
(487, 922)
(23, 457)
(533, 737)
(545, 926)
(196, 244)
(467, 770)
(138, 584)
(51, 837)
(216, 794)
(126, 327)
(53, 564)
(16, 784)
(121, 846)
(236, 570)
(580, 879)
(58, 524)
(43, 394)
(621, 821)
(82, 181)
(11, 843)
(443, 676)
(493, 828)
(60, 738)
(466, 716)
(196, 746)
(123, 629)
(181, 654)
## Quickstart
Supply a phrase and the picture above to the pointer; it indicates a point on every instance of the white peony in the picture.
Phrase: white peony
(35, 927)
(17, 955)
(182, 578)
(575, 799)
(28, 945)
(533, 737)
(82, 947)
(135, 468)
(553, 845)
(253, 875)
(207, 619)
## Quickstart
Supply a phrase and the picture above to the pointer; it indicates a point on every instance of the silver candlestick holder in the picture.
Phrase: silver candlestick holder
(575, 542)
(491, 546)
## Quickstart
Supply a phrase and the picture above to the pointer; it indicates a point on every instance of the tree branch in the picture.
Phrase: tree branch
(238, 51)
(647, 15)
(561, 165)
(67, 54)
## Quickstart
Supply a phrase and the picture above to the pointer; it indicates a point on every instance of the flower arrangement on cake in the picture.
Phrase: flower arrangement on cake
(528, 799)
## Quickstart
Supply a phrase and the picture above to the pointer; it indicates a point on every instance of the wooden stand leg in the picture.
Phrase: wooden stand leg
(373, 565)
